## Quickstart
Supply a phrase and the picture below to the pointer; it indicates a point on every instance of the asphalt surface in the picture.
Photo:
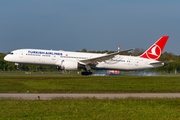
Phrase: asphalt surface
(49, 96)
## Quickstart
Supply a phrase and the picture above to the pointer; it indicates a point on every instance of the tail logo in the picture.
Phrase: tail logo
(154, 52)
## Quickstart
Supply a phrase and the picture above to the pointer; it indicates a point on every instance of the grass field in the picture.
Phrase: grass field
(89, 109)
(89, 84)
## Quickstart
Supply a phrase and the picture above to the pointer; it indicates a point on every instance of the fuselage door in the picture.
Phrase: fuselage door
(21, 54)
(53, 57)
(136, 62)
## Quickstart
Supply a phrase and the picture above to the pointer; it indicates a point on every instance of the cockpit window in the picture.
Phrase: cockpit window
(11, 53)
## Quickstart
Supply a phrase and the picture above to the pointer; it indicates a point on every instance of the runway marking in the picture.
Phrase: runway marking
(49, 96)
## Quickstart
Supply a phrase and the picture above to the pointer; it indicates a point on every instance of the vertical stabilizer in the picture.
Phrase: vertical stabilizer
(154, 52)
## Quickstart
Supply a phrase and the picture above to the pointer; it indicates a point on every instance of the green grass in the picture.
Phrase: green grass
(91, 109)
(89, 84)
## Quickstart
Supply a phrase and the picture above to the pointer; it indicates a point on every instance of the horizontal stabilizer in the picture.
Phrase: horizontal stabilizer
(157, 63)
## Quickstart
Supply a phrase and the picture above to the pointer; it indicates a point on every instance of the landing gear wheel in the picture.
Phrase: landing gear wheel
(86, 73)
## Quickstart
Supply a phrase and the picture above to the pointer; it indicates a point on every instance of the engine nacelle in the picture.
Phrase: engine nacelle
(68, 64)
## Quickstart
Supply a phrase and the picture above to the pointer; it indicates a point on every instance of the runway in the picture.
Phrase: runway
(49, 96)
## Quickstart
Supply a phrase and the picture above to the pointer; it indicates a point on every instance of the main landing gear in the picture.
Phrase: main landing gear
(86, 73)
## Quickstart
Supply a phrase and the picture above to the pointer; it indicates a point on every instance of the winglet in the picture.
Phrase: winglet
(154, 52)
(118, 48)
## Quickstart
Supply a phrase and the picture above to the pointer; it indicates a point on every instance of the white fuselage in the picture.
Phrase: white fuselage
(52, 57)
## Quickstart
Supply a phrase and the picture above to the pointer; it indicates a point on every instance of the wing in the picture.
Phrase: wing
(101, 58)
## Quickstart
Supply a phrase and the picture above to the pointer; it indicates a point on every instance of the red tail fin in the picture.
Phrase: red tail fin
(154, 52)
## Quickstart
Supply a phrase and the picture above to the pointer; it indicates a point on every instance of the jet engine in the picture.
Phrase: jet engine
(68, 65)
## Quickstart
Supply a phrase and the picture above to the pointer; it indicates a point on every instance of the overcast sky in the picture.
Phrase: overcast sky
(92, 24)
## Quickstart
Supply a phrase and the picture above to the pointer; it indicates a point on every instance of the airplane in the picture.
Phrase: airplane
(67, 60)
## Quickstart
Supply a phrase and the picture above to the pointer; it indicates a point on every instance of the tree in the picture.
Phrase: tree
(83, 50)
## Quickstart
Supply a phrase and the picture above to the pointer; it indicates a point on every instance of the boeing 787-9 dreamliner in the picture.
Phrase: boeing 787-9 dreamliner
(67, 60)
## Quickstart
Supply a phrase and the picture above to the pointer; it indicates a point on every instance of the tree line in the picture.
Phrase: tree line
(172, 62)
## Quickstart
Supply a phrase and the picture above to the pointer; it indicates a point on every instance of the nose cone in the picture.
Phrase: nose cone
(7, 58)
